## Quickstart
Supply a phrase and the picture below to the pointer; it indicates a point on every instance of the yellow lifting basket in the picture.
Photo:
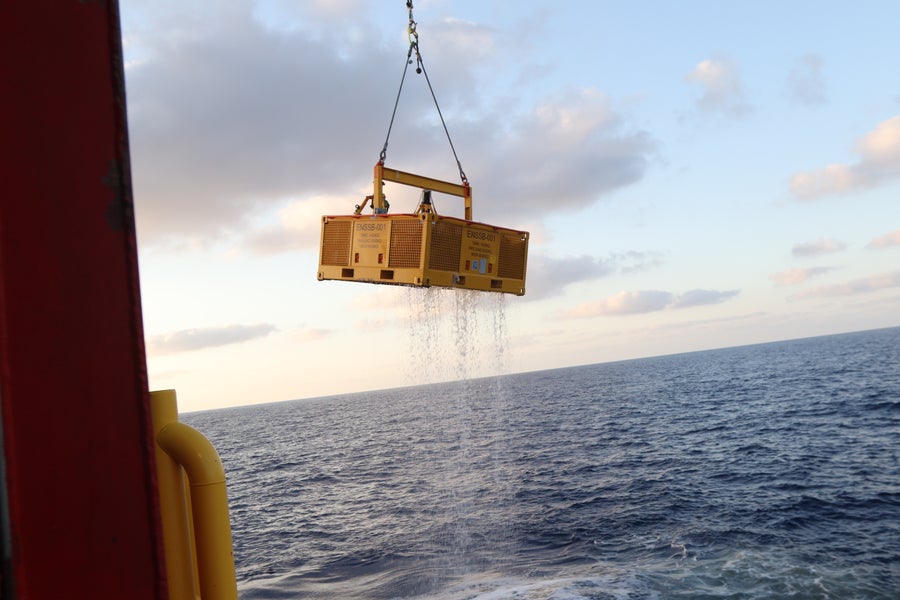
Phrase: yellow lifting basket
(422, 249)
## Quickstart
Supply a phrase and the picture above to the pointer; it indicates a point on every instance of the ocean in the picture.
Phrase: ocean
(764, 471)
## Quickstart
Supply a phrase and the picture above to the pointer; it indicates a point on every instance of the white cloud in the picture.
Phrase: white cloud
(380, 298)
(568, 152)
(646, 301)
(187, 340)
(372, 325)
(879, 162)
(863, 285)
(459, 38)
(798, 276)
(833, 179)
(624, 303)
(818, 248)
(229, 116)
(885, 241)
(805, 83)
(723, 91)
(298, 225)
(550, 276)
(310, 334)
(693, 298)
(337, 8)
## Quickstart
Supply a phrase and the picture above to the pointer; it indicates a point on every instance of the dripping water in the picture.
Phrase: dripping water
(461, 336)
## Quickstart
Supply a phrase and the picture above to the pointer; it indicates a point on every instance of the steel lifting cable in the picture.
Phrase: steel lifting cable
(420, 68)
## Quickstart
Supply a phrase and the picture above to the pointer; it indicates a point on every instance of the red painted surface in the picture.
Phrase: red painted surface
(80, 477)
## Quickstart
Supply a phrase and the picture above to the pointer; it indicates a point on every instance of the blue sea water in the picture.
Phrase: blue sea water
(765, 471)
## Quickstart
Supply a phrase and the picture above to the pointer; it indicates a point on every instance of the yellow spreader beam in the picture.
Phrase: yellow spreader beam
(422, 249)
(383, 174)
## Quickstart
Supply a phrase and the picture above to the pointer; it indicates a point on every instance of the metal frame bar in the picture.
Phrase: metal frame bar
(383, 174)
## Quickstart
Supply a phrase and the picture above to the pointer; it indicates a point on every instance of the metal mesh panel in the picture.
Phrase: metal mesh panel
(446, 241)
(406, 243)
(512, 256)
(336, 243)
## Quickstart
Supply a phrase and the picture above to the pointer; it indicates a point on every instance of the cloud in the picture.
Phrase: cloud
(693, 298)
(797, 276)
(879, 163)
(550, 276)
(864, 285)
(636, 261)
(885, 241)
(457, 38)
(805, 83)
(647, 301)
(723, 92)
(624, 303)
(380, 298)
(372, 325)
(336, 8)
(396, 306)
(817, 248)
(569, 151)
(230, 116)
(297, 227)
(833, 179)
(187, 340)
(311, 334)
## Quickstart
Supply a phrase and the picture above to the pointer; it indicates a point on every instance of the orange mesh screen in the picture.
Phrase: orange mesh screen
(512, 256)
(336, 243)
(446, 241)
(406, 243)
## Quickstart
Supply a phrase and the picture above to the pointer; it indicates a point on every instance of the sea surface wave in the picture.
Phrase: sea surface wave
(766, 471)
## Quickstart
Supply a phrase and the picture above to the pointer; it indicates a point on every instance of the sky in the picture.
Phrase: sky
(694, 175)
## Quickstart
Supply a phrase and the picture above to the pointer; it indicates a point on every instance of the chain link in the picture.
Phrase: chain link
(413, 37)
(411, 32)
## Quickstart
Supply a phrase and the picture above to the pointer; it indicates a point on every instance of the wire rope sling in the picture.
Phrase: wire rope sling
(423, 248)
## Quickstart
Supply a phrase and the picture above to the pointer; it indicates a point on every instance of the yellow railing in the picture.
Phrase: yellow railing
(196, 525)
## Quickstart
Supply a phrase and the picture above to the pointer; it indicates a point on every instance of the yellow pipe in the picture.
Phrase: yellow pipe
(181, 566)
(198, 548)
(209, 508)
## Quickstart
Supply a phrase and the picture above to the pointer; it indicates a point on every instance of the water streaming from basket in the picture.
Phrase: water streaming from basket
(461, 336)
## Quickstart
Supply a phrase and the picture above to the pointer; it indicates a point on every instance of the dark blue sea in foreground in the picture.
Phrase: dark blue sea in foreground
(766, 471)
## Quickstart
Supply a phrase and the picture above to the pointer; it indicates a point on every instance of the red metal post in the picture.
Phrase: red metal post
(80, 516)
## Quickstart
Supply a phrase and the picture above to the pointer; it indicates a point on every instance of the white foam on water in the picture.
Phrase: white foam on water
(754, 572)
(597, 587)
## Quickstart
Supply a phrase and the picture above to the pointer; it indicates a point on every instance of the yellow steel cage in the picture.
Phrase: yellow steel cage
(422, 249)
